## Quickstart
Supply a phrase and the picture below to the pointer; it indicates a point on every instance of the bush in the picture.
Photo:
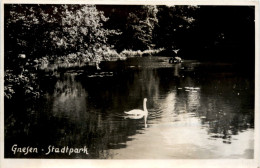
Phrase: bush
(112, 55)
(104, 54)
(138, 53)
(25, 83)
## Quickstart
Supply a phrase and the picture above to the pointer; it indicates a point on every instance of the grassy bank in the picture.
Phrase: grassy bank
(139, 53)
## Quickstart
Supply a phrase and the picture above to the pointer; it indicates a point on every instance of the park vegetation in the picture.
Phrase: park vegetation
(38, 35)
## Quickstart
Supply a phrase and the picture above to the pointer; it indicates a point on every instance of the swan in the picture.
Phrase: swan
(138, 114)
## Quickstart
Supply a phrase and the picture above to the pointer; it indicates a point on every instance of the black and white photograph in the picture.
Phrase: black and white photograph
(112, 81)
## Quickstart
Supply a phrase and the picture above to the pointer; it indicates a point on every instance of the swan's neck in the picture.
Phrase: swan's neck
(145, 108)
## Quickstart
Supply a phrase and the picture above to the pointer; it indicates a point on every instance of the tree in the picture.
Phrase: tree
(227, 35)
(135, 22)
(45, 32)
(174, 26)
(55, 30)
(82, 31)
(140, 26)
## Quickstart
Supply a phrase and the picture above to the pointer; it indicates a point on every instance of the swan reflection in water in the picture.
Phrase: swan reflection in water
(138, 114)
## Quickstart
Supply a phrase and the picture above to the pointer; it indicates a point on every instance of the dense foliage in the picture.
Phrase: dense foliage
(149, 27)
(55, 30)
(89, 31)
(175, 22)
(38, 34)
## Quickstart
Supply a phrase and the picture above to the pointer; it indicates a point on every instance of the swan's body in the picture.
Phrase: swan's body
(138, 114)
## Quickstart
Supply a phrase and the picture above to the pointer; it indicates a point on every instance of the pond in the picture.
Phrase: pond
(196, 110)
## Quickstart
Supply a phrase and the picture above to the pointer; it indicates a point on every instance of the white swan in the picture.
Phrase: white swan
(138, 114)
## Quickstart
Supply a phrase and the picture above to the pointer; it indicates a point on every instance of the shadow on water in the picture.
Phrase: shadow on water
(193, 113)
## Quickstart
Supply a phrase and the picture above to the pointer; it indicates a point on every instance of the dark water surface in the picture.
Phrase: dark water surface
(196, 110)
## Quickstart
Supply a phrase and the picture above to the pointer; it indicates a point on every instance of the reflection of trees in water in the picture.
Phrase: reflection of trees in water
(220, 108)
(63, 119)
(149, 82)
(228, 112)
(69, 97)
(81, 121)
(107, 98)
(193, 102)
(224, 122)
(188, 99)
(88, 111)
(177, 68)
(93, 110)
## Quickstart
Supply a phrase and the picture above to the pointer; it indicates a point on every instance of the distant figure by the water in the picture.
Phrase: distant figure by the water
(175, 58)
(138, 114)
